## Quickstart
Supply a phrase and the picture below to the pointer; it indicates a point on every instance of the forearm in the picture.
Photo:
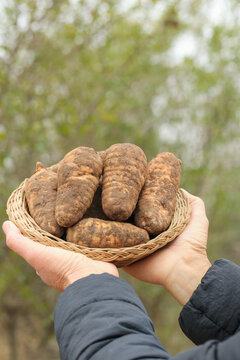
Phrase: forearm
(101, 317)
(213, 350)
(213, 310)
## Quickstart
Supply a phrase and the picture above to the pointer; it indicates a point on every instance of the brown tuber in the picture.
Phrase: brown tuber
(78, 179)
(157, 200)
(98, 233)
(124, 173)
(41, 194)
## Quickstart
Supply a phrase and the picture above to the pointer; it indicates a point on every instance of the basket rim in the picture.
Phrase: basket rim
(17, 209)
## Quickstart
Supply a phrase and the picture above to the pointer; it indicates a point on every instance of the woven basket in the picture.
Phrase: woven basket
(17, 211)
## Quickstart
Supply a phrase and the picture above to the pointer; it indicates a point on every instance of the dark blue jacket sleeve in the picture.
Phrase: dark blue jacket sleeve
(100, 317)
(213, 312)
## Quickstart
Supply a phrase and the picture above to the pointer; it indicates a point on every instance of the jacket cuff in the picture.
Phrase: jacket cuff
(213, 311)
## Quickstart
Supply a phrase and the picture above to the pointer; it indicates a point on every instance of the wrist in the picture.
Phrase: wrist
(186, 276)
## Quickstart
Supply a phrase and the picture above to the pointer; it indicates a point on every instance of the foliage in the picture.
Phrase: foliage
(164, 76)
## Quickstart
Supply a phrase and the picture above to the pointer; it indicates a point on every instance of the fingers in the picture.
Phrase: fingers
(26, 248)
(57, 267)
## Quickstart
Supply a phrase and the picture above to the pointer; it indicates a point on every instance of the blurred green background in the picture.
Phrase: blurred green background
(164, 75)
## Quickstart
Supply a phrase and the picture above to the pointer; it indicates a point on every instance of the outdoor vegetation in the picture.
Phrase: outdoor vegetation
(164, 75)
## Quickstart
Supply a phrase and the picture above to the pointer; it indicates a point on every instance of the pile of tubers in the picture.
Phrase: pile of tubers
(106, 199)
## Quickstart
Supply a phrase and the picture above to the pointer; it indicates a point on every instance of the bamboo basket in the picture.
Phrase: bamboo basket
(17, 211)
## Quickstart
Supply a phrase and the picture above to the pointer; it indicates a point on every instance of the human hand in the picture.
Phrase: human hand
(180, 265)
(56, 267)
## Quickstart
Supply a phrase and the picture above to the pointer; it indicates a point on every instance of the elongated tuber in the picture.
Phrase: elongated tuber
(41, 194)
(78, 179)
(124, 173)
(98, 233)
(157, 200)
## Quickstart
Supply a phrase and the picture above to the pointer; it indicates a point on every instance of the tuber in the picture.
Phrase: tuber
(41, 194)
(157, 200)
(78, 178)
(98, 233)
(124, 173)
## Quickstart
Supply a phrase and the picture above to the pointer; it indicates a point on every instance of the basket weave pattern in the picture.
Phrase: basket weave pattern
(18, 213)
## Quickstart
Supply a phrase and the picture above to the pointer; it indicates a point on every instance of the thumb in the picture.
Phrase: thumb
(8, 225)
(198, 211)
(23, 246)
